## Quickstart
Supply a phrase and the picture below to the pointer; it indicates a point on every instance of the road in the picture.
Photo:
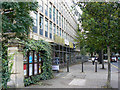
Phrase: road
(115, 66)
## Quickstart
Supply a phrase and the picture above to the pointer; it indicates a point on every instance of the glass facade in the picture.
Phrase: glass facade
(46, 27)
(53, 20)
(41, 23)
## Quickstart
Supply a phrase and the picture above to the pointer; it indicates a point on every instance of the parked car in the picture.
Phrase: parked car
(105, 60)
(113, 59)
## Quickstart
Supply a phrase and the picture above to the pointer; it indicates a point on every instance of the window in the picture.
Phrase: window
(40, 3)
(32, 63)
(64, 24)
(46, 9)
(60, 31)
(57, 16)
(41, 25)
(35, 20)
(50, 30)
(46, 27)
(62, 34)
(54, 14)
(54, 31)
(57, 31)
(50, 11)
(62, 21)
(59, 19)
(66, 36)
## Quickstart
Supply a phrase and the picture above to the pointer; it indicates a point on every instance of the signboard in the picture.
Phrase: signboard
(55, 67)
(35, 67)
(66, 42)
(30, 69)
(25, 71)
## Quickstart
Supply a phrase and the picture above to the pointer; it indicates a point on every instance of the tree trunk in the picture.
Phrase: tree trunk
(102, 59)
(91, 54)
(109, 69)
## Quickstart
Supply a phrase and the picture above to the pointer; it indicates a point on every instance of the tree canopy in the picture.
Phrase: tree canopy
(101, 27)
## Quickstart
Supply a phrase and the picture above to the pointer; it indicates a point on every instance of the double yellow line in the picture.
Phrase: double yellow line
(115, 66)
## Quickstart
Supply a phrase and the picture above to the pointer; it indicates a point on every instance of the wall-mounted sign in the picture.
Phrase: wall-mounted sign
(30, 69)
(66, 42)
(55, 67)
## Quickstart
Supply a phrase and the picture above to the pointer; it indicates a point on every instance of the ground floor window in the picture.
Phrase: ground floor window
(32, 64)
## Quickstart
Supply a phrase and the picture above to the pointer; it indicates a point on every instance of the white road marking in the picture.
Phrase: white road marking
(79, 82)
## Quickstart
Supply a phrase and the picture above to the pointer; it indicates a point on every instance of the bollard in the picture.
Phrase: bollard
(67, 65)
(82, 66)
(95, 66)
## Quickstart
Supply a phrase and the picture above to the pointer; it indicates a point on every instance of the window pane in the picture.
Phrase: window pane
(34, 15)
(60, 31)
(50, 30)
(54, 14)
(39, 67)
(57, 16)
(35, 57)
(30, 69)
(41, 25)
(46, 28)
(30, 57)
(50, 11)
(25, 69)
(46, 10)
(40, 3)
(35, 68)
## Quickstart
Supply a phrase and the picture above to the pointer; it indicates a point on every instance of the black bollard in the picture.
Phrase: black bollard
(95, 66)
(67, 65)
(82, 66)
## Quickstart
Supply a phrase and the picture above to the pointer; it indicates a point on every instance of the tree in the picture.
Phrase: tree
(100, 19)
(16, 23)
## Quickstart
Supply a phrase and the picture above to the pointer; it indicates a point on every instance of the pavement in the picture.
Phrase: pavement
(75, 78)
